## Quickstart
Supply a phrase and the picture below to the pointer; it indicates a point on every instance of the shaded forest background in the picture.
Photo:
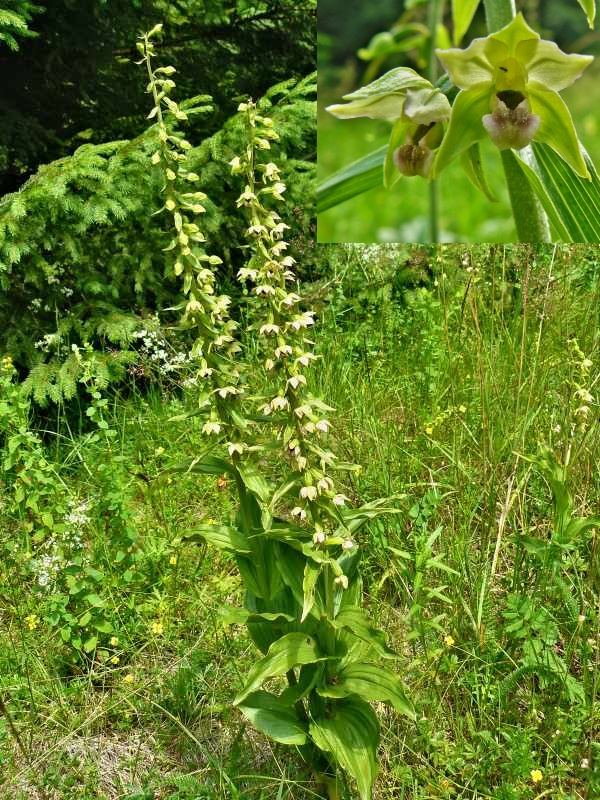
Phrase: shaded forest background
(70, 78)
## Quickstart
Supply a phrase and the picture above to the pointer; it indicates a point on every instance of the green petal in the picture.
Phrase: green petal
(424, 106)
(465, 127)
(514, 33)
(557, 129)
(387, 106)
(390, 173)
(554, 69)
(469, 67)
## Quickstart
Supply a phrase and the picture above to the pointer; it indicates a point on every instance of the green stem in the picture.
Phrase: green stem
(499, 13)
(435, 11)
(530, 219)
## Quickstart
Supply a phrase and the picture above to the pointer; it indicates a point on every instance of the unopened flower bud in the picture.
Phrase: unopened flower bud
(342, 581)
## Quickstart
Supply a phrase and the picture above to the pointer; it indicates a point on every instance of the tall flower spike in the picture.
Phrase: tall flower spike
(282, 327)
(509, 86)
(204, 309)
(418, 110)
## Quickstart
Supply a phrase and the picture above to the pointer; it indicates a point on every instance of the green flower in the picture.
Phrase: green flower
(418, 110)
(509, 86)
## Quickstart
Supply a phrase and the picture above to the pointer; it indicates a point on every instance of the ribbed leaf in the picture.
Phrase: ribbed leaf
(272, 716)
(572, 203)
(284, 654)
(371, 683)
(359, 177)
(222, 536)
(351, 734)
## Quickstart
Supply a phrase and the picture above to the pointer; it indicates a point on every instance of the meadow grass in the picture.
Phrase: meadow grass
(450, 370)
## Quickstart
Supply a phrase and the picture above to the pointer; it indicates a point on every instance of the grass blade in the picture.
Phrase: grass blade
(359, 177)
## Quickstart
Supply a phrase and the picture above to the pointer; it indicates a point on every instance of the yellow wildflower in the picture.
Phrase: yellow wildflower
(462, 409)
(173, 561)
(429, 430)
(536, 775)
(128, 678)
(32, 620)
(114, 641)
(157, 628)
(448, 641)
(115, 660)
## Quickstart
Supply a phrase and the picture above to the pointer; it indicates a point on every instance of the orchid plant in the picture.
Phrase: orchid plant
(505, 88)
(295, 537)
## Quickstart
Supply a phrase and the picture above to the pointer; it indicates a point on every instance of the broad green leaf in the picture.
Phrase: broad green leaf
(589, 6)
(581, 524)
(351, 734)
(224, 537)
(94, 600)
(103, 626)
(254, 481)
(372, 683)
(283, 655)
(210, 465)
(232, 615)
(355, 621)
(274, 718)
(311, 576)
(470, 161)
(463, 12)
(359, 177)
(572, 203)
(90, 644)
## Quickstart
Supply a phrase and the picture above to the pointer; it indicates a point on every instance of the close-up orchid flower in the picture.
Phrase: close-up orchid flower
(509, 86)
(443, 110)
(416, 107)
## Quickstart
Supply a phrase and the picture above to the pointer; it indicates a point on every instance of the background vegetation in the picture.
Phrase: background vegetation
(349, 56)
(461, 380)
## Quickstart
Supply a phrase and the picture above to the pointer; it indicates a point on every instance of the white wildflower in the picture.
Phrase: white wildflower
(308, 492)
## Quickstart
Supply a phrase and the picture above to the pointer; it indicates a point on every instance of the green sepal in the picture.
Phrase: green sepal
(390, 174)
(384, 98)
(466, 127)
(556, 128)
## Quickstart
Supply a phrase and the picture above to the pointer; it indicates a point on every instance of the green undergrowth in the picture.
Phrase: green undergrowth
(461, 378)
